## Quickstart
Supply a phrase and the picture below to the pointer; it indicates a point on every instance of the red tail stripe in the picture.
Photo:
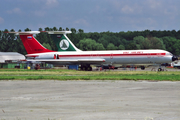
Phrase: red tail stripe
(32, 45)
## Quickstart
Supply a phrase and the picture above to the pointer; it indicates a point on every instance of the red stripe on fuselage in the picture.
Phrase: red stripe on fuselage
(114, 55)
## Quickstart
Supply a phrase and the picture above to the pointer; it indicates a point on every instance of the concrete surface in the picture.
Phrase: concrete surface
(150, 68)
(89, 100)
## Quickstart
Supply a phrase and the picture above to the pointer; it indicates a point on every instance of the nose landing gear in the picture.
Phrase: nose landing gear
(160, 69)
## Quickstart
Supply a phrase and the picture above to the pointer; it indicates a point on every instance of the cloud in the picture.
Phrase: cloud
(127, 9)
(116, 4)
(14, 11)
(39, 13)
(81, 22)
(1, 20)
(95, 15)
(154, 4)
(51, 3)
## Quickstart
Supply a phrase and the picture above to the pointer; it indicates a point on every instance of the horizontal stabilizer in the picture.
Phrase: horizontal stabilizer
(25, 33)
(57, 32)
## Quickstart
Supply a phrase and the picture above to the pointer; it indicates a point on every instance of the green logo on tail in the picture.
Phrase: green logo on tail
(64, 44)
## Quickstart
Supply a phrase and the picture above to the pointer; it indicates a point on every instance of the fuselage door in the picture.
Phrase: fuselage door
(111, 56)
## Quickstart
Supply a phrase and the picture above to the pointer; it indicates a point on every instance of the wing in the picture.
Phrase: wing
(69, 61)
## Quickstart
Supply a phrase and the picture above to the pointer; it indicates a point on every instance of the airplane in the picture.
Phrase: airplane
(69, 54)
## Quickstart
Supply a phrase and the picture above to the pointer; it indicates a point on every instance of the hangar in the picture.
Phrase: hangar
(11, 60)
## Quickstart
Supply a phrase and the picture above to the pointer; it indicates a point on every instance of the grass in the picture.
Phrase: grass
(63, 74)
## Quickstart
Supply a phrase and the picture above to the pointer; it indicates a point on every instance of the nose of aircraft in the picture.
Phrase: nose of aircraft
(174, 58)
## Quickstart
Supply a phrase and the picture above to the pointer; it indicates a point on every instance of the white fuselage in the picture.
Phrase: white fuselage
(111, 57)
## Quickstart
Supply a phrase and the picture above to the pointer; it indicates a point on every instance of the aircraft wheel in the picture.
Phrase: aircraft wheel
(83, 68)
(142, 68)
(159, 69)
(89, 68)
(86, 68)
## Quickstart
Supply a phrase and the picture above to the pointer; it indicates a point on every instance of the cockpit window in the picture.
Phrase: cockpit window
(169, 54)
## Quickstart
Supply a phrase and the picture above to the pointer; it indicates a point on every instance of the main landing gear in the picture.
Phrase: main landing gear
(154, 68)
(142, 67)
(86, 67)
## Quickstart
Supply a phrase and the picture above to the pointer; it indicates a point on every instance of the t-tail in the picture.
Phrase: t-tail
(62, 42)
(31, 45)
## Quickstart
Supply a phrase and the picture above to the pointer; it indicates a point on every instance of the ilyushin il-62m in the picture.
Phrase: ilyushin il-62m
(69, 54)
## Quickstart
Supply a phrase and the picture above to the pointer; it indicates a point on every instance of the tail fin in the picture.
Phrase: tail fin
(62, 41)
(31, 45)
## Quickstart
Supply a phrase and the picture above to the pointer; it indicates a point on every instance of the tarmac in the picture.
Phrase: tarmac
(150, 68)
(89, 100)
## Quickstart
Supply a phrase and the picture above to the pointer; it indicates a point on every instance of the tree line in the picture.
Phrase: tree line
(130, 40)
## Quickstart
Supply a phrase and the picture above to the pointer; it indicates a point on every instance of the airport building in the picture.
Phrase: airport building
(11, 60)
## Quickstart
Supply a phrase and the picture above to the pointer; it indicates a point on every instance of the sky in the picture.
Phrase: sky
(91, 15)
